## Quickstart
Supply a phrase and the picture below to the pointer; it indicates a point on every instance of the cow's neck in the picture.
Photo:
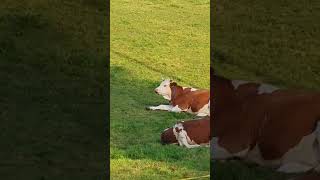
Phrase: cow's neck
(176, 91)
(225, 103)
(226, 113)
(223, 93)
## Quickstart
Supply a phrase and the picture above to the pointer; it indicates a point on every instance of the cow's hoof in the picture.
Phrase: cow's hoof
(149, 108)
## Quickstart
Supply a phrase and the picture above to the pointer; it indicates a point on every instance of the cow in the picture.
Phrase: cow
(183, 99)
(266, 125)
(190, 134)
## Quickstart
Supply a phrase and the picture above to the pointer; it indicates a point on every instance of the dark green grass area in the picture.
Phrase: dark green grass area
(53, 89)
(236, 170)
(274, 42)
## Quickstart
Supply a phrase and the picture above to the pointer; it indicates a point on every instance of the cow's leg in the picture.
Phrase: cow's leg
(160, 107)
(186, 144)
(294, 168)
(184, 140)
(202, 114)
(176, 109)
(205, 110)
(192, 145)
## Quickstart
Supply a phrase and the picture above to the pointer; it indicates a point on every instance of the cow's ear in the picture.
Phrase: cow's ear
(173, 84)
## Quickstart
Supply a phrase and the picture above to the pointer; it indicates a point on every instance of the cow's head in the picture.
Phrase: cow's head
(168, 137)
(164, 89)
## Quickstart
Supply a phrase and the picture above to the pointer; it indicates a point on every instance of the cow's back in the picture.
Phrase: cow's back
(281, 120)
(192, 99)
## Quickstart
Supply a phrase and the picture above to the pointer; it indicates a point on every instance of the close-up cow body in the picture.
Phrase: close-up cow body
(183, 99)
(191, 133)
(266, 125)
(310, 176)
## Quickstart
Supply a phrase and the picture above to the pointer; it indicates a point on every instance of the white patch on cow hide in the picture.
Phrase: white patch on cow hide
(303, 155)
(205, 110)
(241, 154)
(182, 137)
(255, 156)
(218, 152)
(317, 143)
(161, 107)
(300, 158)
(294, 168)
(266, 88)
(191, 89)
(176, 109)
(237, 83)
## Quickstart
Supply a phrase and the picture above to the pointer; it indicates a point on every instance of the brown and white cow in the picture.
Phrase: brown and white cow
(266, 125)
(183, 99)
(192, 133)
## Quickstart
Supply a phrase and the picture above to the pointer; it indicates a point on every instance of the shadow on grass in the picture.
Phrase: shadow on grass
(237, 170)
(53, 101)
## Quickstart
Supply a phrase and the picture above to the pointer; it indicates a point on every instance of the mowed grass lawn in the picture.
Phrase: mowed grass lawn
(150, 40)
(271, 41)
(53, 89)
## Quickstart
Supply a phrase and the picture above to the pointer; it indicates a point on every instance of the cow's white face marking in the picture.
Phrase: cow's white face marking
(237, 83)
(164, 89)
(182, 136)
(266, 88)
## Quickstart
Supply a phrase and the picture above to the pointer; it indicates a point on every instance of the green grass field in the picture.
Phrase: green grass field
(272, 41)
(150, 40)
(53, 89)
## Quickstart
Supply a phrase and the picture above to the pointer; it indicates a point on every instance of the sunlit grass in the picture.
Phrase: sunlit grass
(151, 40)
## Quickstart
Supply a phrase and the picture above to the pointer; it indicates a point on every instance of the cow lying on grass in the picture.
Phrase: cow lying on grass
(183, 99)
(263, 124)
(192, 133)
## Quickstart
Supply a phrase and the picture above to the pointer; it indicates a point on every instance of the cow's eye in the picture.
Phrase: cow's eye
(165, 85)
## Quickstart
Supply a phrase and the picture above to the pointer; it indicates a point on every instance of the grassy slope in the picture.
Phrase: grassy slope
(52, 75)
(270, 41)
(150, 39)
